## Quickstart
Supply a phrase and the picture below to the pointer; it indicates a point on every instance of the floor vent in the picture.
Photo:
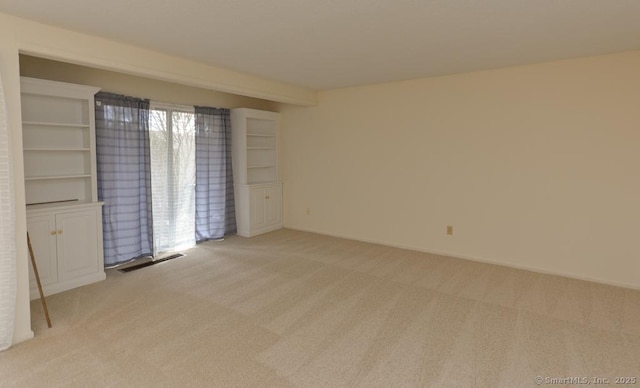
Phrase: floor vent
(152, 262)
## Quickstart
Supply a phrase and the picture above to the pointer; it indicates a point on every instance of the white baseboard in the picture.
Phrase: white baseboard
(257, 232)
(23, 337)
(472, 258)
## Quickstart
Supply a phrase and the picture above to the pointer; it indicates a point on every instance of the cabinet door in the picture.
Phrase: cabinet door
(257, 208)
(42, 233)
(273, 205)
(77, 244)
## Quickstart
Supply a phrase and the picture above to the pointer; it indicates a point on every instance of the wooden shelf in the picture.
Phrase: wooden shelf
(254, 146)
(58, 149)
(41, 178)
(265, 166)
(39, 123)
(260, 135)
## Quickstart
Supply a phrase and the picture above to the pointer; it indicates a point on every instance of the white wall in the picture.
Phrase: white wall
(535, 166)
(9, 68)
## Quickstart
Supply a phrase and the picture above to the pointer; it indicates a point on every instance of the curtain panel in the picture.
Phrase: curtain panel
(215, 206)
(124, 176)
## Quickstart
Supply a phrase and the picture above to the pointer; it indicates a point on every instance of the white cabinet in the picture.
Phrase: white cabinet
(257, 208)
(273, 205)
(42, 233)
(77, 244)
(67, 244)
(266, 207)
(260, 210)
(258, 192)
(64, 217)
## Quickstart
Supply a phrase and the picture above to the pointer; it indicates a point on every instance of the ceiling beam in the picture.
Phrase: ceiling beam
(55, 43)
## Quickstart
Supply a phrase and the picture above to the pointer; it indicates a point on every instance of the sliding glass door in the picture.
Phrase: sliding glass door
(173, 172)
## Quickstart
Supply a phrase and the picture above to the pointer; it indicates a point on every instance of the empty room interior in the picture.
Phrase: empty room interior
(311, 194)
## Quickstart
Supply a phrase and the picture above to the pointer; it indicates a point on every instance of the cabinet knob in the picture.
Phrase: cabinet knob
(59, 231)
(53, 232)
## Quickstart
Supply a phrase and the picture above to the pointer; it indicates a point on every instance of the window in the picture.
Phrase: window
(173, 172)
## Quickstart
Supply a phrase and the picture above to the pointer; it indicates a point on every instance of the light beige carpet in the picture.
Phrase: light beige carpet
(299, 309)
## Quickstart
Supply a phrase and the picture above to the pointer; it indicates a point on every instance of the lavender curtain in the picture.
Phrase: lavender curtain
(124, 176)
(215, 207)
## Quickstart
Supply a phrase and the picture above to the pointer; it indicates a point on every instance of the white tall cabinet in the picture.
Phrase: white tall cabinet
(64, 217)
(258, 191)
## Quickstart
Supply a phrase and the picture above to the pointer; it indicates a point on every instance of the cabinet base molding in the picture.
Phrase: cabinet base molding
(67, 285)
(251, 233)
(67, 244)
(258, 208)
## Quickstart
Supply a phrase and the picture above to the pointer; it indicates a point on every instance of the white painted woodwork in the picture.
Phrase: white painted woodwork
(258, 208)
(273, 204)
(42, 233)
(64, 218)
(67, 244)
(258, 192)
(77, 242)
(58, 141)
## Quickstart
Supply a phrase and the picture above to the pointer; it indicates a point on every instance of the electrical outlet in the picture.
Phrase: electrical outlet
(449, 230)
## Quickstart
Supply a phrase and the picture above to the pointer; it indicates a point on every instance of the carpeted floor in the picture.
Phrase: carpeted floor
(299, 309)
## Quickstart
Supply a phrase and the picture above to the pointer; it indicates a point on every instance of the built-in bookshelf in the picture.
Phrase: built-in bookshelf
(255, 144)
(64, 217)
(58, 135)
(255, 171)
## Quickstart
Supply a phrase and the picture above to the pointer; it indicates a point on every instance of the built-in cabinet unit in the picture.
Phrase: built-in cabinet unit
(258, 191)
(67, 243)
(64, 217)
